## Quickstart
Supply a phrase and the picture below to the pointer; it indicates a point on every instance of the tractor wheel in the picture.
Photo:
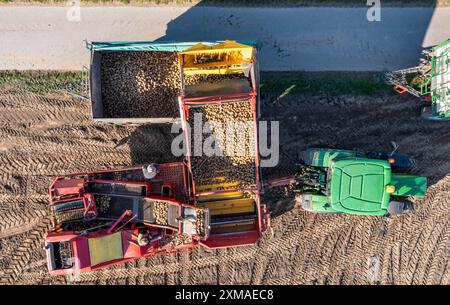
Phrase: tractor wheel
(397, 207)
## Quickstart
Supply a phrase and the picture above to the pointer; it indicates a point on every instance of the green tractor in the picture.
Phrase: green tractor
(354, 182)
(430, 81)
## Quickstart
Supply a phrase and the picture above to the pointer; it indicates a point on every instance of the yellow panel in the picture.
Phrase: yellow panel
(106, 248)
(232, 206)
(220, 196)
(223, 58)
(226, 46)
(214, 187)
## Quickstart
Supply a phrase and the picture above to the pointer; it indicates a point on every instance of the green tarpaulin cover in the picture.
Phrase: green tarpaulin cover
(167, 46)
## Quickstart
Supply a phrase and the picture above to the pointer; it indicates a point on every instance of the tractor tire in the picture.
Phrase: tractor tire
(398, 207)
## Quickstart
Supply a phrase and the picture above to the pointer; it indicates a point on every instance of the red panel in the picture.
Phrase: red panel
(54, 237)
(400, 89)
(81, 252)
(173, 174)
(66, 187)
(131, 249)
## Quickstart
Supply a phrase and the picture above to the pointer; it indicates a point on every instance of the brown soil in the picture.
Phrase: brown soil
(42, 137)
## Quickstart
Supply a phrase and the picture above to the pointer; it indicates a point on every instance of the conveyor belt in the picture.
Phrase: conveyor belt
(220, 196)
(144, 208)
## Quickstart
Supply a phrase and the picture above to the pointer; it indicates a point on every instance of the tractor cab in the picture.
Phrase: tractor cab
(359, 186)
(343, 181)
(314, 172)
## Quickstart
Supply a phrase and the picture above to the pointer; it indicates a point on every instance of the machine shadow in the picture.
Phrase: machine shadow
(313, 38)
(151, 144)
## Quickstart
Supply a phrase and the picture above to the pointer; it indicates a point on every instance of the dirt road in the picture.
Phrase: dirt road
(311, 39)
(43, 136)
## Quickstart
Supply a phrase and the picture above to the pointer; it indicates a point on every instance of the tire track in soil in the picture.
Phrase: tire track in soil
(16, 221)
(184, 274)
(47, 136)
(260, 259)
(296, 224)
(222, 267)
(23, 253)
(170, 277)
(442, 255)
(194, 275)
(436, 254)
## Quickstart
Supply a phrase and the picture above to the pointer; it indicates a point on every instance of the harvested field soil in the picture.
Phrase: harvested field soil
(140, 84)
(43, 136)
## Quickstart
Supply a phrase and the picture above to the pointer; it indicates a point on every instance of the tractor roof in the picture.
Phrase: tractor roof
(358, 186)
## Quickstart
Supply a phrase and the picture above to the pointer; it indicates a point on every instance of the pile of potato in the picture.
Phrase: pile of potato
(218, 170)
(160, 210)
(200, 225)
(102, 203)
(237, 145)
(140, 84)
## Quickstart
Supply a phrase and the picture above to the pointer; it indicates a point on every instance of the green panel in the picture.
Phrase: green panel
(358, 186)
(442, 44)
(409, 185)
(322, 157)
(167, 46)
(374, 187)
(320, 204)
(439, 83)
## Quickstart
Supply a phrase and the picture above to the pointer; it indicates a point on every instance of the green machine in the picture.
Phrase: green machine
(430, 81)
(353, 182)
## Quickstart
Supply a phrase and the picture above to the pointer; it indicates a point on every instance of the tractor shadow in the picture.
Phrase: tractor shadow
(354, 121)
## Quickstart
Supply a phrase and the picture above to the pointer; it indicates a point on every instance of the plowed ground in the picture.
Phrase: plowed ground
(42, 136)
